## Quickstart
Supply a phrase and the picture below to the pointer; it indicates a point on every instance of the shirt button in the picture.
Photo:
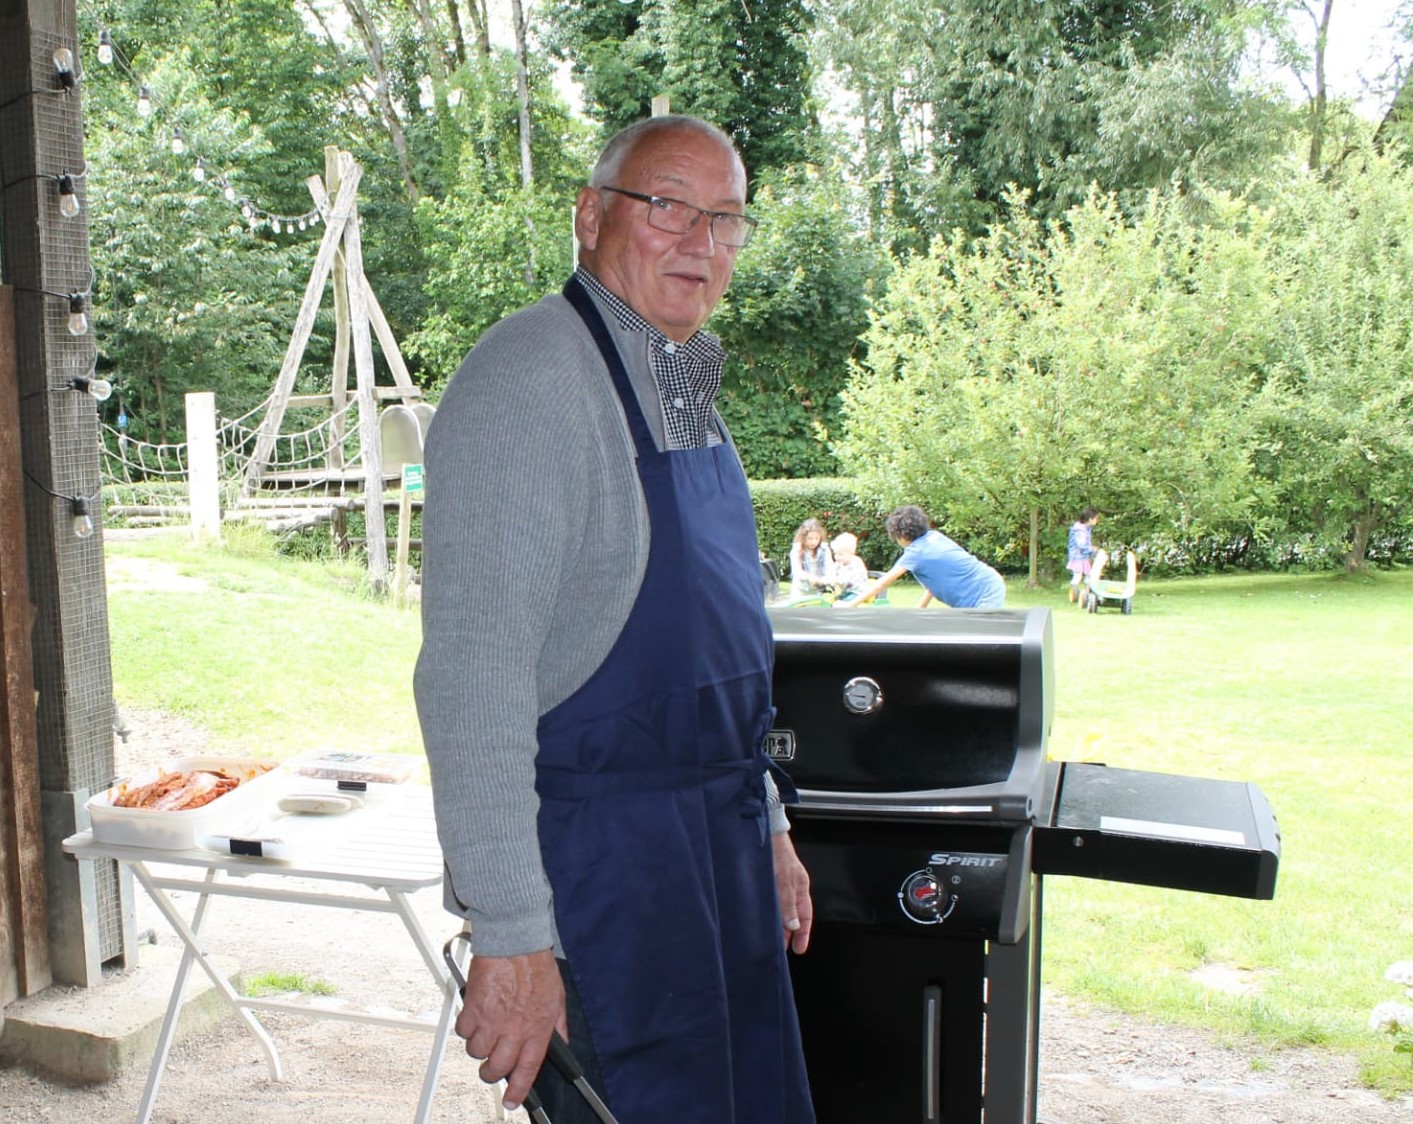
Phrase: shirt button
(670, 348)
(679, 404)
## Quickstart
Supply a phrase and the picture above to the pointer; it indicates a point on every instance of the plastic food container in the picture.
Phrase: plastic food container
(261, 784)
(349, 771)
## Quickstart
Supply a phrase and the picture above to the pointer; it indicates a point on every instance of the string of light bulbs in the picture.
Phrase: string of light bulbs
(109, 54)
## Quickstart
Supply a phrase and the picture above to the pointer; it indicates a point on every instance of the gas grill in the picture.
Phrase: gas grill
(928, 816)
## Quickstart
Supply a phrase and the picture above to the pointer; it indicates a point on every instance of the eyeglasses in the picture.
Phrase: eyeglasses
(672, 216)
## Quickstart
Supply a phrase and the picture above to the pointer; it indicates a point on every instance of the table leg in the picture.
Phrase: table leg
(169, 1020)
(195, 953)
(447, 1019)
(450, 1004)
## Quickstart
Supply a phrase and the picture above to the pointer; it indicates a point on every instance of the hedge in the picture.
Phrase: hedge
(782, 505)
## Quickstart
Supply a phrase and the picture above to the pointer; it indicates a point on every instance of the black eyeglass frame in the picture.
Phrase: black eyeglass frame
(653, 200)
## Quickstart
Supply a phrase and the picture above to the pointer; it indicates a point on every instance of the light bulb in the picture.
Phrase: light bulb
(198, 173)
(83, 522)
(303, 225)
(68, 198)
(64, 66)
(99, 389)
(247, 210)
(229, 194)
(275, 225)
(144, 102)
(178, 142)
(78, 322)
(105, 47)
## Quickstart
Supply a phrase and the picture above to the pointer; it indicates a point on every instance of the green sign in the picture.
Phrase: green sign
(412, 478)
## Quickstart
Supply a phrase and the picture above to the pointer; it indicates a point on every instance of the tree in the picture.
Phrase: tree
(492, 243)
(791, 322)
(1047, 366)
(1337, 412)
(187, 296)
(959, 101)
(744, 67)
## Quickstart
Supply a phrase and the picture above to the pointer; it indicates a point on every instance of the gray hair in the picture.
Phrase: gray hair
(622, 144)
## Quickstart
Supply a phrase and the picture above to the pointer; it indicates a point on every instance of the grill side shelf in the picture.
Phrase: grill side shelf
(1160, 829)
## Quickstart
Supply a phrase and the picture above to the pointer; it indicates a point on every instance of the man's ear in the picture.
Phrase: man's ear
(588, 215)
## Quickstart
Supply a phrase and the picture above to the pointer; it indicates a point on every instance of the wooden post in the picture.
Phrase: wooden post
(24, 920)
(374, 517)
(42, 252)
(662, 105)
(203, 478)
(404, 543)
(338, 384)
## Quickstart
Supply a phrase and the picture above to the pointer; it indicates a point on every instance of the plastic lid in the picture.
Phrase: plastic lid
(349, 766)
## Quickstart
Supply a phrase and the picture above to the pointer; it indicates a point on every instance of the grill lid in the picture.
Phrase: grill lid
(913, 712)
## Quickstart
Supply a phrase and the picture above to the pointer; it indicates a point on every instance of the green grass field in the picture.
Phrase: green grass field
(1298, 683)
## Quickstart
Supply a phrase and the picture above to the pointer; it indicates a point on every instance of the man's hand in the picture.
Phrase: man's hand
(792, 887)
(512, 1004)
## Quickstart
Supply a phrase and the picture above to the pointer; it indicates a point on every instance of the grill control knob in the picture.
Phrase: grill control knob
(922, 899)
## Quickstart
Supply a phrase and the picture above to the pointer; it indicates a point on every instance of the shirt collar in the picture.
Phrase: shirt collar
(701, 345)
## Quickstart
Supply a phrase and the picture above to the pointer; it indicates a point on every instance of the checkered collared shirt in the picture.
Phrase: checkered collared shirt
(688, 375)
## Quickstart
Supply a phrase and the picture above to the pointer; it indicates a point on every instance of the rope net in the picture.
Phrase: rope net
(147, 483)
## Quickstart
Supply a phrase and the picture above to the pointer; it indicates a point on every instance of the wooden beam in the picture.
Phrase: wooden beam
(369, 438)
(24, 911)
(338, 379)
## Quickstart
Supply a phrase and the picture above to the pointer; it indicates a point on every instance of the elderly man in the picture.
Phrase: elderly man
(594, 681)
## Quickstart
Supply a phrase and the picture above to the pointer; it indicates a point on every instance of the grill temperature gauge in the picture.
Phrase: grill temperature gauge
(862, 695)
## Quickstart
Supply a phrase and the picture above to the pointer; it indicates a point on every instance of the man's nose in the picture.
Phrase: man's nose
(699, 239)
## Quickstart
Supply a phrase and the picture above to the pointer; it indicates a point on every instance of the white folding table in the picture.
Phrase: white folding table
(389, 845)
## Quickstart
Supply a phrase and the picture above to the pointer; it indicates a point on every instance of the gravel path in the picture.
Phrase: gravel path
(1096, 1067)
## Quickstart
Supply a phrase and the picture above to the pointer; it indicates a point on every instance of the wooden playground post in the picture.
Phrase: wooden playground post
(203, 475)
(338, 385)
(374, 517)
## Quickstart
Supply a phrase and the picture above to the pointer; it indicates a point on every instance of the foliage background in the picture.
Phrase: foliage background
(1015, 258)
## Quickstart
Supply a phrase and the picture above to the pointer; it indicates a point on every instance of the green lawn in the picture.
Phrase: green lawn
(1298, 683)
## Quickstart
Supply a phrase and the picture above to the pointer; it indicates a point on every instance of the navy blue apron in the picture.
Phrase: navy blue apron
(653, 818)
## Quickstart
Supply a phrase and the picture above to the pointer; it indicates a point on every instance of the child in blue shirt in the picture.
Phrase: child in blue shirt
(946, 571)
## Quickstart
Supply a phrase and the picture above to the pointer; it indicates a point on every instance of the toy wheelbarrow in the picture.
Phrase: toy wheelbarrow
(1099, 589)
(559, 1053)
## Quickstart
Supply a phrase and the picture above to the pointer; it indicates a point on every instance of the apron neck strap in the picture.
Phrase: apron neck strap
(578, 296)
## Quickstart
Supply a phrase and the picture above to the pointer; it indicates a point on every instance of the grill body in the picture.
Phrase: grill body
(928, 815)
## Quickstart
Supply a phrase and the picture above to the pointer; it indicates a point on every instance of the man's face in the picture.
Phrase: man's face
(672, 280)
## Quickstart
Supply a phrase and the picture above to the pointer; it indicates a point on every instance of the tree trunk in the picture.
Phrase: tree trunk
(458, 38)
(440, 70)
(522, 97)
(1356, 561)
(480, 24)
(1034, 582)
(1319, 100)
(522, 91)
(373, 44)
(161, 406)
